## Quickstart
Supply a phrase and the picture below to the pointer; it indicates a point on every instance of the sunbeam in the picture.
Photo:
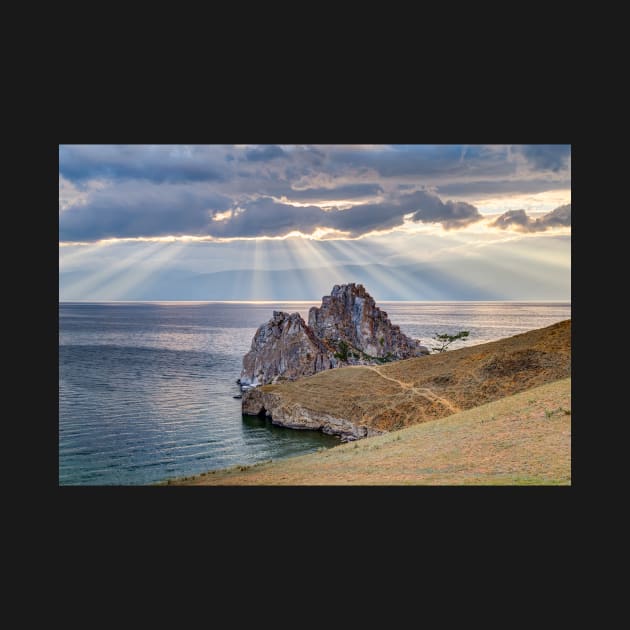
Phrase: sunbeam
(89, 285)
(389, 278)
(409, 222)
(123, 285)
(306, 274)
(72, 257)
(258, 277)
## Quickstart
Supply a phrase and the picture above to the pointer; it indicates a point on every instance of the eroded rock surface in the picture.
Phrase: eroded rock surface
(284, 348)
(347, 329)
(258, 402)
(350, 314)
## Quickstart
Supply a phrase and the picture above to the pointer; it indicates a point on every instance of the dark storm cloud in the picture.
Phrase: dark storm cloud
(157, 164)
(264, 153)
(132, 210)
(520, 220)
(549, 157)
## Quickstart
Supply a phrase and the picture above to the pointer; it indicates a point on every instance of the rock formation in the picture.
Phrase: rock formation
(293, 415)
(284, 347)
(347, 329)
(366, 401)
(349, 314)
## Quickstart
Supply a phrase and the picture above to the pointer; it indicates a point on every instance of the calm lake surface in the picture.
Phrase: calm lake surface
(146, 389)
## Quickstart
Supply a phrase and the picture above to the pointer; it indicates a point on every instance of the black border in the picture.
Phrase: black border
(377, 513)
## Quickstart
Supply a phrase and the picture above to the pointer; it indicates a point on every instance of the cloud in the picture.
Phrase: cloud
(348, 191)
(519, 219)
(137, 209)
(440, 161)
(137, 190)
(560, 216)
(430, 165)
(162, 163)
(489, 187)
(264, 153)
(551, 157)
(451, 214)
(133, 209)
(513, 218)
(266, 217)
(366, 218)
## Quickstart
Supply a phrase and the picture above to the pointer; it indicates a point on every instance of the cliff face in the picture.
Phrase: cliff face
(284, 347)
(294, 415)
(348, 329)
(350, 314)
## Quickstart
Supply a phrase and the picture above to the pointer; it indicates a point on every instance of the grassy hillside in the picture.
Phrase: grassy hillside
(522, 439)
(400, 394)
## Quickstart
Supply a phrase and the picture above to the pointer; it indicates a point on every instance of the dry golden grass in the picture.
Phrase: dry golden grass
(522, 439)
(404, 393)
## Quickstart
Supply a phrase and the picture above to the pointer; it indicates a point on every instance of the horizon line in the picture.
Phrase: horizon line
(281, 301)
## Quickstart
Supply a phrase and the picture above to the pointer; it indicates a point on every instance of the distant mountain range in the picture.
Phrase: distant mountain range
(453, 280)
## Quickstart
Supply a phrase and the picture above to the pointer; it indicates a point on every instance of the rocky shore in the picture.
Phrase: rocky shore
(294, 415)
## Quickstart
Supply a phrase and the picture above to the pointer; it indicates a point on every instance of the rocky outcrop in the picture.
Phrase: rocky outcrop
(258, 402)
(357, 402)
(284, 348)
(347, 329)
(349, 314)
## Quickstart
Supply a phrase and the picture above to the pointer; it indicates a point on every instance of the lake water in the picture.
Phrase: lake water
(146, 389)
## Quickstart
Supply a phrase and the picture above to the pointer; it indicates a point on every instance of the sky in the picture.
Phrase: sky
(287, 222)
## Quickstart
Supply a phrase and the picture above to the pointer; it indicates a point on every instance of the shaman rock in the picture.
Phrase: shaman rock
(349, 314)
(284, 347)
(347, 329)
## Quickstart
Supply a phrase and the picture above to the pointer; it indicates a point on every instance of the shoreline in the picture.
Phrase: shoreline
(368, 403)
(522, 439)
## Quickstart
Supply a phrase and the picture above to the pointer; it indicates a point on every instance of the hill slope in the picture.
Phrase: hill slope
(524, 439)
(367, 400)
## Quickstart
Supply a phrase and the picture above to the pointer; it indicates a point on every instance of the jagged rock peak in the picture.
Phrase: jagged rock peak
(347, 329)
(350, 314)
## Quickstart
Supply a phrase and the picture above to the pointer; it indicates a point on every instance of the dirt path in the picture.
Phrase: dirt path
(421, 391)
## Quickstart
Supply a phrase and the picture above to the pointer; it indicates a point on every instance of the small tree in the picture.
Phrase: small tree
(343, 351)
(446, 340)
